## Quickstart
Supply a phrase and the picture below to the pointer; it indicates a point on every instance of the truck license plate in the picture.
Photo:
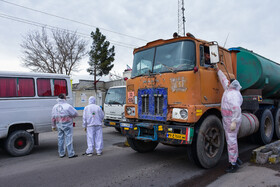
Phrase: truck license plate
(177, 136)
(112, 123)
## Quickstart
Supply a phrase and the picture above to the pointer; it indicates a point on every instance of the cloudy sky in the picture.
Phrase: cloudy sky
(252, 24)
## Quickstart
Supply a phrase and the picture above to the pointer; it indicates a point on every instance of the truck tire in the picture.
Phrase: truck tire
(208, 143)
(276, 117)
(266, 129)
(19, 143)
(142, 146)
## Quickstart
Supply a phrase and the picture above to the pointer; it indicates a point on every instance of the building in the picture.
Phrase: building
(85, 88)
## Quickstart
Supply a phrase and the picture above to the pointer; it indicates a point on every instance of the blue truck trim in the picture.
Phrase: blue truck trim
(151, 114)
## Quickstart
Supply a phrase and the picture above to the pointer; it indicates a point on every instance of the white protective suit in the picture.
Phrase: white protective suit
(92, 121)
(231, 112)
(62, 119)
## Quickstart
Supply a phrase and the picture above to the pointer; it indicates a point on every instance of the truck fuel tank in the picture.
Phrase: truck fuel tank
(249, 125)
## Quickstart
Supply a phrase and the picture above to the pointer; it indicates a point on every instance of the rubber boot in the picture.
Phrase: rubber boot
(239, 162)
(232, 168)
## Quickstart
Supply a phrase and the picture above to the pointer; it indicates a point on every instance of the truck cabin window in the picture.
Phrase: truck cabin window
(116, 96)
(205, 56)
(172, 57)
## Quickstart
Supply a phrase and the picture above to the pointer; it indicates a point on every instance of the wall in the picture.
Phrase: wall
(84, 89)
(82, 96)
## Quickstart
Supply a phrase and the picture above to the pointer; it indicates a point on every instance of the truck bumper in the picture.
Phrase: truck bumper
(111, 123)
(169, 134)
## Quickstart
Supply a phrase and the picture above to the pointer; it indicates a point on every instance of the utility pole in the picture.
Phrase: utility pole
(181, 18)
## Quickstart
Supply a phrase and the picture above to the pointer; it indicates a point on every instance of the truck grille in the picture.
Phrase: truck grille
(158, 104)
(152, 104)
(145, 104)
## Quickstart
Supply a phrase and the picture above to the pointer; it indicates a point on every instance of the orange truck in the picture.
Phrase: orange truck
(173, 97)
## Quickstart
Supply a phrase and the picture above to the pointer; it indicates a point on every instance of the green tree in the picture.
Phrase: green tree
(100, 56)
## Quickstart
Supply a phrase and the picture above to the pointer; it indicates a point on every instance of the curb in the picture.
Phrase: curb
(267, 153)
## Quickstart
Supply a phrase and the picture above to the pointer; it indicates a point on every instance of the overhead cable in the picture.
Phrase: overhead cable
(60, 17)
(59, 28)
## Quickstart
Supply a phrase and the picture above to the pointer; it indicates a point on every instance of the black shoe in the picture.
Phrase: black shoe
(239, 162)
(232, 168)
(87, 154)
(73, 156)
(62, 156)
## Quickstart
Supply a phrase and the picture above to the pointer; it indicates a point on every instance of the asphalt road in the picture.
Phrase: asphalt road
(118, 166)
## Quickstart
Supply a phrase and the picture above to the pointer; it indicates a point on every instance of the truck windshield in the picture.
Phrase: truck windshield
(116, 96)
(172, 57)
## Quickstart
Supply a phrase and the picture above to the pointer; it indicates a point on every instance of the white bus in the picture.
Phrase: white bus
(26, 101)
(114, 106)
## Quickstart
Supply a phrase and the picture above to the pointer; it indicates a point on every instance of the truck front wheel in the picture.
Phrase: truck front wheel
(19, 143)
(208, 143)
(142, 146)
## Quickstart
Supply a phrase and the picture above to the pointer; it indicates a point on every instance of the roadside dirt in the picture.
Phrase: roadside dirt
(213, 174)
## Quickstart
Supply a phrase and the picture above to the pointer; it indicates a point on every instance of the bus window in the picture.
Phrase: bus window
(8, 87)
(25, 87)
(60, 87)
(44, 87)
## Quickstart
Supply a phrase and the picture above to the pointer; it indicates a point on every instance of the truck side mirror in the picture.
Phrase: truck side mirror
(214, 54)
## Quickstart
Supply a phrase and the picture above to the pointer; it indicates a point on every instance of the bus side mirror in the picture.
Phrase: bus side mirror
(214, 54)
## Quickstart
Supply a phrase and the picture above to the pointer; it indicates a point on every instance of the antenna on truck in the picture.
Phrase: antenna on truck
(223, 55)
(226, 41)
(181, 18)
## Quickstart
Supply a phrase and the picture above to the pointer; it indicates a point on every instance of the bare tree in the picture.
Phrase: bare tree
(59, 53)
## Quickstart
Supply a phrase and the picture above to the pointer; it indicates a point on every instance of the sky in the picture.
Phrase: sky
(127, 24)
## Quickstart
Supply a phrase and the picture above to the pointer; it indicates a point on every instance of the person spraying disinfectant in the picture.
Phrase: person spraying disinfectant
(231, 113)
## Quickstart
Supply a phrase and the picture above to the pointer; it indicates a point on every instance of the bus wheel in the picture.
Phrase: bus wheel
(277, 124)
(208, 143)
(142, 146)
(266, 129)
(19, 143)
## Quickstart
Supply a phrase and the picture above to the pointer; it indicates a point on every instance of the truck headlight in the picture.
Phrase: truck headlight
(179, 113)
(130, 111)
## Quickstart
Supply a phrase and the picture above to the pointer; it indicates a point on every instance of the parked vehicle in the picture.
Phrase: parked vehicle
(26, 102)
(173, 97)
(114, 106)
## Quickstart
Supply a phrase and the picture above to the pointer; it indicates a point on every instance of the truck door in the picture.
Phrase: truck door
(210, 94)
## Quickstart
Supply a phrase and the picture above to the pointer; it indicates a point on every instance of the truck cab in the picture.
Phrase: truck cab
(114, 106)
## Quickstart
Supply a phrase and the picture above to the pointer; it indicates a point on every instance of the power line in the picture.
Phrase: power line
(59, 28)
(71, 20)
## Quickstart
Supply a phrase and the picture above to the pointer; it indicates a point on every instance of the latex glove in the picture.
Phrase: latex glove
(85, 129)
(233, 126)
(54, 129)
(216, 67)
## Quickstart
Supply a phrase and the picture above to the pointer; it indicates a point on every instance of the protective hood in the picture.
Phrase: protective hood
(235, 85)
(91, 100)
(60, 100)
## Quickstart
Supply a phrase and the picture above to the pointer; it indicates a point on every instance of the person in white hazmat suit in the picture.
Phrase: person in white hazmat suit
(62, 120)
(231, 113)
(92, 122)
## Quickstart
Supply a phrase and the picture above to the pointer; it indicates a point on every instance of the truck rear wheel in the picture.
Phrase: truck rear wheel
(277, 123)
(208, 143)
(142, 146)
(19, 143)
(266, 129)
